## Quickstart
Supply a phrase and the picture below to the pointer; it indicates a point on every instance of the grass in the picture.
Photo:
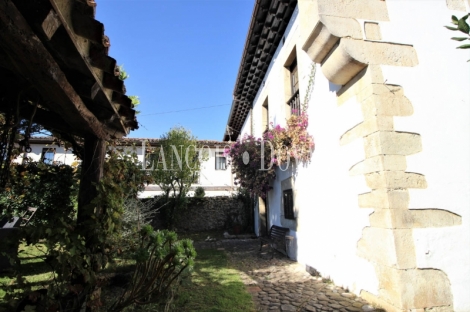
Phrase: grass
(201, 236)
(38, 273)
(213, 287)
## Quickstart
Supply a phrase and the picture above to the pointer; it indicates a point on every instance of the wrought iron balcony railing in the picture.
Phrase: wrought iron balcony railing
(294, 103)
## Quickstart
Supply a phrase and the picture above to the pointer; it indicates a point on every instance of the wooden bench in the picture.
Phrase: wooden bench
(276, 239)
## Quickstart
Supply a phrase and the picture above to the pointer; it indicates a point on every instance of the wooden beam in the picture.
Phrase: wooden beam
(50, 24)
(92, 172)
(33, 61)
(68, 10)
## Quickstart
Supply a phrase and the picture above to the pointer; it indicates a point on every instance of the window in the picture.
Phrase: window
(291, 85)
(294, 78)
(220, 161)
(47, 155)
(288, 202)
(294, 101)
(265, 115)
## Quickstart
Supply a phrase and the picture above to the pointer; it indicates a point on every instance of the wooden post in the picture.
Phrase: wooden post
(92, 172)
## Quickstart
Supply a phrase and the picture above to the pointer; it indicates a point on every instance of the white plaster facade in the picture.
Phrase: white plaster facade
(343, 235)
(216, 182)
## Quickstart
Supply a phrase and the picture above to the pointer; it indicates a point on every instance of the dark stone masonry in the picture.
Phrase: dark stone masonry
(213, 213)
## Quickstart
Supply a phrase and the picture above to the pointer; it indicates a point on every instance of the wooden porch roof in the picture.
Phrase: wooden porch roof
(268, 24)
(54, 53)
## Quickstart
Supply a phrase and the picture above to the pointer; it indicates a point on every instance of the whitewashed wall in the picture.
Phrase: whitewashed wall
(329, 221)
(217, 182)
(61, 156)
(439, 90)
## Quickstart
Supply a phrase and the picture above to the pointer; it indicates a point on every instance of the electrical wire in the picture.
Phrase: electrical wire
(183, 110)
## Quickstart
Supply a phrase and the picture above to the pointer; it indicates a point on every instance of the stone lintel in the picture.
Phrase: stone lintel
(392, 143)
(379, 163)
(369, 126)
(385, 199)
(395, 180)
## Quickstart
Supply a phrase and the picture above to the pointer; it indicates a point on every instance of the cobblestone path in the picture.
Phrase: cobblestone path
(280, 284)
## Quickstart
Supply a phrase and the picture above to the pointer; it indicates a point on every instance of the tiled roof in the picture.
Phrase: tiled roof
(268, 24)
(128, 141)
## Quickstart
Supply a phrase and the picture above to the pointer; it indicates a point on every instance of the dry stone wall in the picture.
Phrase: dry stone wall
(212, 213)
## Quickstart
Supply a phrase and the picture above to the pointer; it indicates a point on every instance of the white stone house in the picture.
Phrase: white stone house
(384, 206)
(215, 175)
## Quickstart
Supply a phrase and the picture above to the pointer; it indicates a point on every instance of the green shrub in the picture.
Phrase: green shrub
(50, 188)
(199, 192)
(161, 259)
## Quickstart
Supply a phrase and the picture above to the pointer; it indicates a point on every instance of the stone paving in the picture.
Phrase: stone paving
(280, 284)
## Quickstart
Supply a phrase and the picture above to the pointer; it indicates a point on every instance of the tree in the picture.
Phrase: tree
(175, 167)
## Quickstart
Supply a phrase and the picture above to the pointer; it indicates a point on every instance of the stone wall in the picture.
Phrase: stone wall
(212, 213)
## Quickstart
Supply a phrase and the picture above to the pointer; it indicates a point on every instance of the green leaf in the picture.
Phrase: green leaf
(455, 20)
(459, 38)
(451, 28)
(463, 26)
(465, 46)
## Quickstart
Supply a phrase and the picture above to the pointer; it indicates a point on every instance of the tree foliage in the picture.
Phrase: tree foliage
(175, 166)
(463, 27)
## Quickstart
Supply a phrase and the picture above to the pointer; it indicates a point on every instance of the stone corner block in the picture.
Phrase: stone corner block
(368, 126)
(392, 143)
(388, 247)
(385, 199)
(395, 180)
(379, 163)
(372, 31)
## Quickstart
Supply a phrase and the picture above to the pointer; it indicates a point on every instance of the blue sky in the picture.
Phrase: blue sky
(180, 55)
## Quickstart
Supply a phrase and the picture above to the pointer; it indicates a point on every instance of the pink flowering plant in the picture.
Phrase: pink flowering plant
(292, 142)
(252, 165)
(254, 160)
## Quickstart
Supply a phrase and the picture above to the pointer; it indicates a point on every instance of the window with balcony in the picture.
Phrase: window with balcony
(294, 100)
